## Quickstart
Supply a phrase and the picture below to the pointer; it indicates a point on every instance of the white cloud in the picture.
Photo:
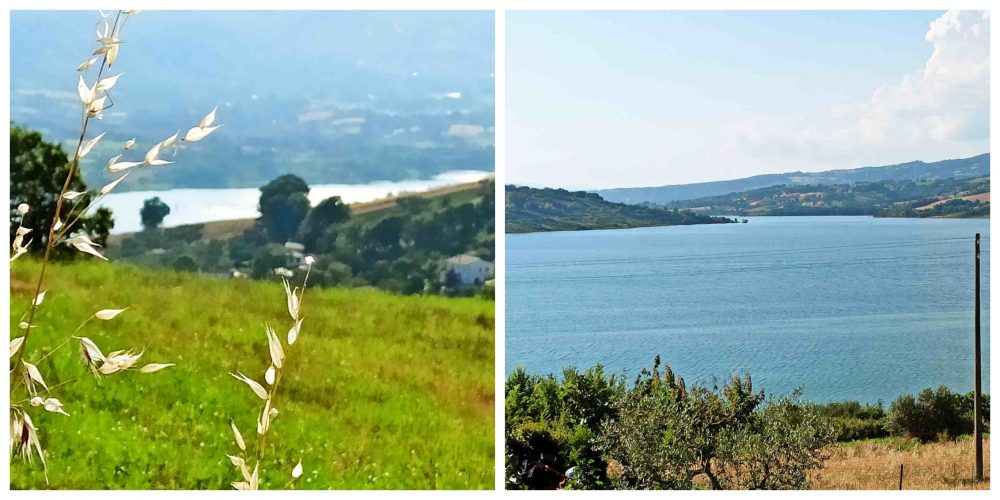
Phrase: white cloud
(941, 109)
(949, 99)
(59, 95)
(348, 122)
(464, 130)
(315, 115)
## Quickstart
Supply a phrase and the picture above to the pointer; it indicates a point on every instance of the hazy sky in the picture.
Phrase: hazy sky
(597, 100)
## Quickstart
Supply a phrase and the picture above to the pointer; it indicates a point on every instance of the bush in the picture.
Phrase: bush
(656, 434)
(934, 414)
(853, 421)
(552, 426)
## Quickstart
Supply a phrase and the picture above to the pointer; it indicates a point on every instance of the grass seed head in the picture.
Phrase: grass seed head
(107, 314)
(238, 437)
(274, 346)
(254, 386)
(293, 332)
(155, 367)
(15, 345)
(33, 376)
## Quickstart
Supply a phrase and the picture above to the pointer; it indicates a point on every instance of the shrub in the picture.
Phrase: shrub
(552, 426)
(933, 414)
(656, 434)
(853, 421)
(666, 435)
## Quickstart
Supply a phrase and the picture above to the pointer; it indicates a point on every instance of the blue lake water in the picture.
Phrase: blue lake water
(843, 307)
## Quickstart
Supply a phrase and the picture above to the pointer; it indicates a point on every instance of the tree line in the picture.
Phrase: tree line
(593, 430)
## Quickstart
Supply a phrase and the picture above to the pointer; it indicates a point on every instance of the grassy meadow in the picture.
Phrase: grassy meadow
(380, 391)
(873, 464)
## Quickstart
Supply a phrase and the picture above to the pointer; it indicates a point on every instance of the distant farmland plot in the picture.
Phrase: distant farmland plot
(383, 391)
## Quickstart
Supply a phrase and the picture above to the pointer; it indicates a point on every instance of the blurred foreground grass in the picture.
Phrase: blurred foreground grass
(380, 391)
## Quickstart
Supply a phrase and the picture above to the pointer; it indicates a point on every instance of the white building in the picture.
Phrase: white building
(293, 254)
(469, 269)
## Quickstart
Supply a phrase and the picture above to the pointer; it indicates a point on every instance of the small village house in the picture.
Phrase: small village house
(469, 269)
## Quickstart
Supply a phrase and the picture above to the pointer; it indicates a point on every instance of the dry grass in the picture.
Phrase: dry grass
(874, 465)
(390, 201)
(224, 229)
(981, 197)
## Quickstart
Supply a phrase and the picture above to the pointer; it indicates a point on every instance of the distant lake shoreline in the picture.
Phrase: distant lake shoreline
(739, 219)
(197, 205)
(846, 307)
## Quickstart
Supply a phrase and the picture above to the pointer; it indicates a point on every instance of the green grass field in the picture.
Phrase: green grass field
(380, 391)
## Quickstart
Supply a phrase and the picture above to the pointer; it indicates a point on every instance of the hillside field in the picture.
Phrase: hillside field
(380, 391)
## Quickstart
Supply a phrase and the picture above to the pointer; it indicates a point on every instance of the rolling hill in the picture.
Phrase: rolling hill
(964, 197)
(976, 166)
(530, 210)
(396, 243)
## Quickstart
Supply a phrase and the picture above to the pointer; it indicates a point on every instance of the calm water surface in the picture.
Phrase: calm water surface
(844, 307)
(192, 206)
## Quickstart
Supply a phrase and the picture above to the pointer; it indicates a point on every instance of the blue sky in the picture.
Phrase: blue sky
(612, 99)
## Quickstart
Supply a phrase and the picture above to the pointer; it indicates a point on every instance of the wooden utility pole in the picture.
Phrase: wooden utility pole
(977, 405)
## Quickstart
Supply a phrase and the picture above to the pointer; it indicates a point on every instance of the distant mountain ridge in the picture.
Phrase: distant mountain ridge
(962, 197)
(976, 166)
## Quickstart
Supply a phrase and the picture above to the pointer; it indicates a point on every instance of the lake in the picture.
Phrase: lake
(844, 307)
(192, 206)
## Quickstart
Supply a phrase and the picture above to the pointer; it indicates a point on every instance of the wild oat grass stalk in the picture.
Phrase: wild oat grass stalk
(272, 378)
(28, 388)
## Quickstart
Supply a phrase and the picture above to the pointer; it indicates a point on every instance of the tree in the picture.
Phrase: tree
(665, 434)
(934, 413)
(185, 264)
(284, 203)
(37, 171)
(328, 212)
(153, 212)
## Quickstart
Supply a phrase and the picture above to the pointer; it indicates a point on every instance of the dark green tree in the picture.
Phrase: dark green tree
(99, 225)
(38, 170)
(283, 205)
(328, 212)
(153, 212)
(185, 264)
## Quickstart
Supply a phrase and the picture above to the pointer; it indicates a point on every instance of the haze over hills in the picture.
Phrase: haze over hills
(976, 166)
(334, 97)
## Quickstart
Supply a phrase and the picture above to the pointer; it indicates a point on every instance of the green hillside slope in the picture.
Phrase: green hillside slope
(530, 209)
(380, 391)
(937, 198)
